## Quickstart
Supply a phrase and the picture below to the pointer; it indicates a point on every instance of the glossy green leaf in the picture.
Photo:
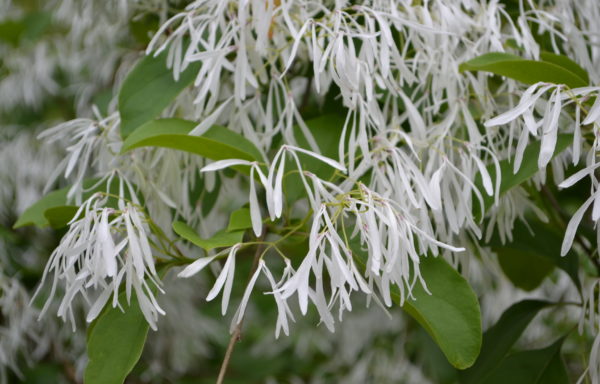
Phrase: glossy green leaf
(239, 219)
(220, 239)
(566, 63)
(115, 344)
(59, 217)
(34, 215)
(532, 255)
(218, 143)
(499, 339)
(525, 71)
(450, 315)
(540, 366)
(148, 89)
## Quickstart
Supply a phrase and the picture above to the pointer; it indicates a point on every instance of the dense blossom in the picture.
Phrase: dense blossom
(414, 171)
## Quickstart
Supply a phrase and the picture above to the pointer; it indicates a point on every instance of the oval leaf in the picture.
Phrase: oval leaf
(239, 219)
(566, 63)
(451, 314)
(220, 239)
(34, 215)
(525, 71)
(218, 143)
(148, 89)
(499, 339)
(539, 366)
(115, 344)
(59, 217)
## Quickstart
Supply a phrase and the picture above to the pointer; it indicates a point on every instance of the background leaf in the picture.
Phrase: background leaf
(499, 339)
(148, 89)
(34, 215)
(566, 63)
(218, 143)
(525, 71)
(59, 217)
(239, 219)
(539, 366)
(220, 239)
(532, 255)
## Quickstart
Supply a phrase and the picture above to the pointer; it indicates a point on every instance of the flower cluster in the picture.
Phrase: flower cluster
(414, 170)
(104, 250)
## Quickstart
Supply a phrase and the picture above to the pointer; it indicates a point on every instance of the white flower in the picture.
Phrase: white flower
(104, 250)
(224, 281)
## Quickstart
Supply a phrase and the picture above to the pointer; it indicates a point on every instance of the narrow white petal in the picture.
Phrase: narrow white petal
(217, 165)
(248, 291)
(572, 227)
(594, 113)
(550, 132)
(196, 266)
(578, 176)
(229, 264)
(210, 120)
(255, 216)
(521, 146)
(324, 159)
(228, 284)
(485, 176)
(98, 305)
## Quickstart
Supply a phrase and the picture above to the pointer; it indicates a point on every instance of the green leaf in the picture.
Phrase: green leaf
(525, 269)
(59, 217)
(34, 215)
(218, 143)
(540, 366)
(148, 89)
(450, 315)
(239, 219)
(220, 239)
(566, 63)
(30, 27)
(115, 344)
(11, 31)
(527, 170)
(533, 254)
(499, 339)
(525, 71)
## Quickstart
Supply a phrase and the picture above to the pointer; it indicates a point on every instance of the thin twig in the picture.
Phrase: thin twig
(237, 332)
